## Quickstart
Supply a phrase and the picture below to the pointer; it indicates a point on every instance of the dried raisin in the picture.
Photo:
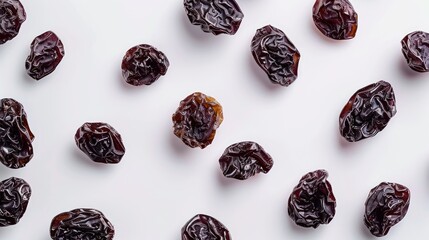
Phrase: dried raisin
(12, 15)
(204, 227)
(15, 194)
(415, 47)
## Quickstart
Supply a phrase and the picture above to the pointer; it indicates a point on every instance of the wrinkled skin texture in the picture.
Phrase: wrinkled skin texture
(46, 53)
(16, 149)
(312, 201)
(276, 55)
(215, 16)
(204, 227)
(100, 142)
(386, 205)
(143, 65)
(196, 120)
(415, 47)
(81, 224)
(368, 111)
(14, 196)
(245, 159)
(336, 19)
(12, 15)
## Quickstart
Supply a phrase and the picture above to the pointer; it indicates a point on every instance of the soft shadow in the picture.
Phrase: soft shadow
(261, 77)
(298, 229)
(343, 143)
(81, 158)
(224, 181)
(406, 71)
(365, 232)
(177, 145)
(126, 86)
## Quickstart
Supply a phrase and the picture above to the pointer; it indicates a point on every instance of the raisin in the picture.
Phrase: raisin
(368, 111)
(245, 159)
(46, 53)
(101, 142)
(81, 224)
(143, 64)
(196, 120)
(415, 47)
(16, 149)
(312, 201)
(276, 55)
(204, 227)
(12, 15)
(336, 19)
(14, 196)
(386, 205)
(215, 16)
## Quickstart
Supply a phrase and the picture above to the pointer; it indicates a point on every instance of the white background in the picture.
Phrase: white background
(161, 183)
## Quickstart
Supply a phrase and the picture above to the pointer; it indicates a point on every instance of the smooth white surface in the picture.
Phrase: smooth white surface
(161, 183)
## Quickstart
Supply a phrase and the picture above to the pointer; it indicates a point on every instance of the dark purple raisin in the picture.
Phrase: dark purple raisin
(101, 142)
(196, 120)
(386, 205)
(312, 201)
(14, 196)
(204, 227)
(16, 149)
(143, 65)
(368, 111)
(336, 19)
(46, 53)
(12, 15)
(415, 47)
(81, 224)
(215, 16)
(245, 159)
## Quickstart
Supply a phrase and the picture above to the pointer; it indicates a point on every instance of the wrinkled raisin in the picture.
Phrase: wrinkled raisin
(196, 120)
(46, 53)
(336, 19)
(215, 16)
(204, 227)
(81, 224)
(244, 159)
(276, 55)
(101, 142)
(415, 47)
(368, 111)
(312, 201)
(386, 205)
(14, 196)
(12, 15)
(143, 65)
(16, 149)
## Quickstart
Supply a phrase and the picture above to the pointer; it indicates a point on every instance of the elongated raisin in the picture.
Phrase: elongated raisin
(14, 196)
(204, 227)
(12, 15)
(415, 47)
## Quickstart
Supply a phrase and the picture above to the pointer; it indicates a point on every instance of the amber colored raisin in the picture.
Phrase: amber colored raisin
(245, 159)
(415, 47)
(12, 15)
(312, 201)
(336, 19)
(215, 16)
(143, 65)
(386, 205)
(16, 148)
(14, 196)
(101, 142)
(368, 111)
(196, 120)
(204, 227)
(81, 224)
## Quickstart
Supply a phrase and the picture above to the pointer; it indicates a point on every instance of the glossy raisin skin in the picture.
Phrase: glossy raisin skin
(386, 205)
(81, 224)
(143, 65)
(196, 120)
(15, 194)
(368, 111)
(245, 159)
(312, 201)
(415, 47)
(101, 142)
(336, 19)
(12, 15)
(215, 16)
(276, 55)
(204, 227)
(46, 53)
(16, 148)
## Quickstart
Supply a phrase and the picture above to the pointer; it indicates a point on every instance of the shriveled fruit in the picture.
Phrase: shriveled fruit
(12, 15)
(15, 194)
(415, 47)
(204, 227)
